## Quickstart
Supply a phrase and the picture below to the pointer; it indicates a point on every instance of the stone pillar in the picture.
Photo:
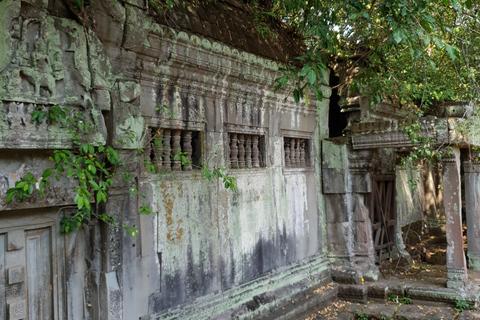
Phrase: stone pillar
(452, 199)
(472, 202)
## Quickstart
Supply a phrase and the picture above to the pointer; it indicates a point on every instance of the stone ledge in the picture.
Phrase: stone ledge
(275, 288)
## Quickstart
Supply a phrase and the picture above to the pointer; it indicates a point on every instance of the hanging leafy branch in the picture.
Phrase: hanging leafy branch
(94, 168)
(409, 52)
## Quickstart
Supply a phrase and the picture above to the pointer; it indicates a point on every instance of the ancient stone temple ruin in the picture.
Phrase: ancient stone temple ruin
(309, 207)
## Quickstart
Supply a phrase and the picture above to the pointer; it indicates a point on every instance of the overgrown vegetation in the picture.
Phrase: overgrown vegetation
(461, 305)
(94, 168)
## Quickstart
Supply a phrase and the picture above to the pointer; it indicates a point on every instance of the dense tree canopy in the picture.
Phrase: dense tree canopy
(413, 53)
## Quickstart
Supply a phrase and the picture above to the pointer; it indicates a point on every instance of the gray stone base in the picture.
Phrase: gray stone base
(474, 261)
(255, 299)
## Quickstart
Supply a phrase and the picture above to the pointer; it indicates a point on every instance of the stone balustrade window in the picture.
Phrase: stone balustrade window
(296, 152)
(166, 143)
(246, 151)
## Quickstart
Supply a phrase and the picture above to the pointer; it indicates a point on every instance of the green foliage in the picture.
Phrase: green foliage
(361, 316)
(94, 168)
(461, 305)
(405, 300)
(22, 188)
(424, 148)
(217, 173)
(411, 53)
(396, 299)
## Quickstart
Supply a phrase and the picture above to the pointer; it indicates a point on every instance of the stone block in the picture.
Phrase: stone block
(101, 99)
(334, 167)
(361, 183)
(336, 208)
(16, 274)
(417, 312)
(129, 91)
(17, 310)
(16, 240)
(334, 181)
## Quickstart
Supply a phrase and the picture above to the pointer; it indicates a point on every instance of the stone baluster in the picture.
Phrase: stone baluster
(167, 150)
(297, 157)
(255, 152)
(176, 163)
(248, 151)
(302, 154)
(233, 151)
(452, 200)
(286, 149)
(187, 148)
(241, 151)
(293, 153)
(157, 147)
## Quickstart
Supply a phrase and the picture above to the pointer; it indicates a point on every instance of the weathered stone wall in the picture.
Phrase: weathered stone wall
(346, 184)
(207, 251)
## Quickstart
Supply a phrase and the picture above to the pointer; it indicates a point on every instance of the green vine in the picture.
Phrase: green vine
(94, 167)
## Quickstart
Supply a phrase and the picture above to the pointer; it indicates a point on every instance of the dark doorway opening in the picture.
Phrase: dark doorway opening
(382, 215)
(337, 121)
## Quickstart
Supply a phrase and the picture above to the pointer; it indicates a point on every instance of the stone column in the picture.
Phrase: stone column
(472, 202)
(452, 199)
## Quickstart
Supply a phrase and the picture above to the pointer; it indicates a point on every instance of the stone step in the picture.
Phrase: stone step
(344, 310)
(380, 292)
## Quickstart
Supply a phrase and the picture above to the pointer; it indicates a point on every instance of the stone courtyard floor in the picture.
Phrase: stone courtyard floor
(412, 292)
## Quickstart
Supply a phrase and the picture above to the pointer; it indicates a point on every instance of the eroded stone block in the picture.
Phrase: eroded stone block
(16, 240)
(16, 274)
(17, 310)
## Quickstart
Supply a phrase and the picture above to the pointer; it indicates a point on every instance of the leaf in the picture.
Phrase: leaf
(451, 51)
(296, 96)
(305, 70)
(42, 116)
(94, 185)
(80, 203)
(312, 77)
(10, 195)
(427, 39)
(438, 42)
(398, 35)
